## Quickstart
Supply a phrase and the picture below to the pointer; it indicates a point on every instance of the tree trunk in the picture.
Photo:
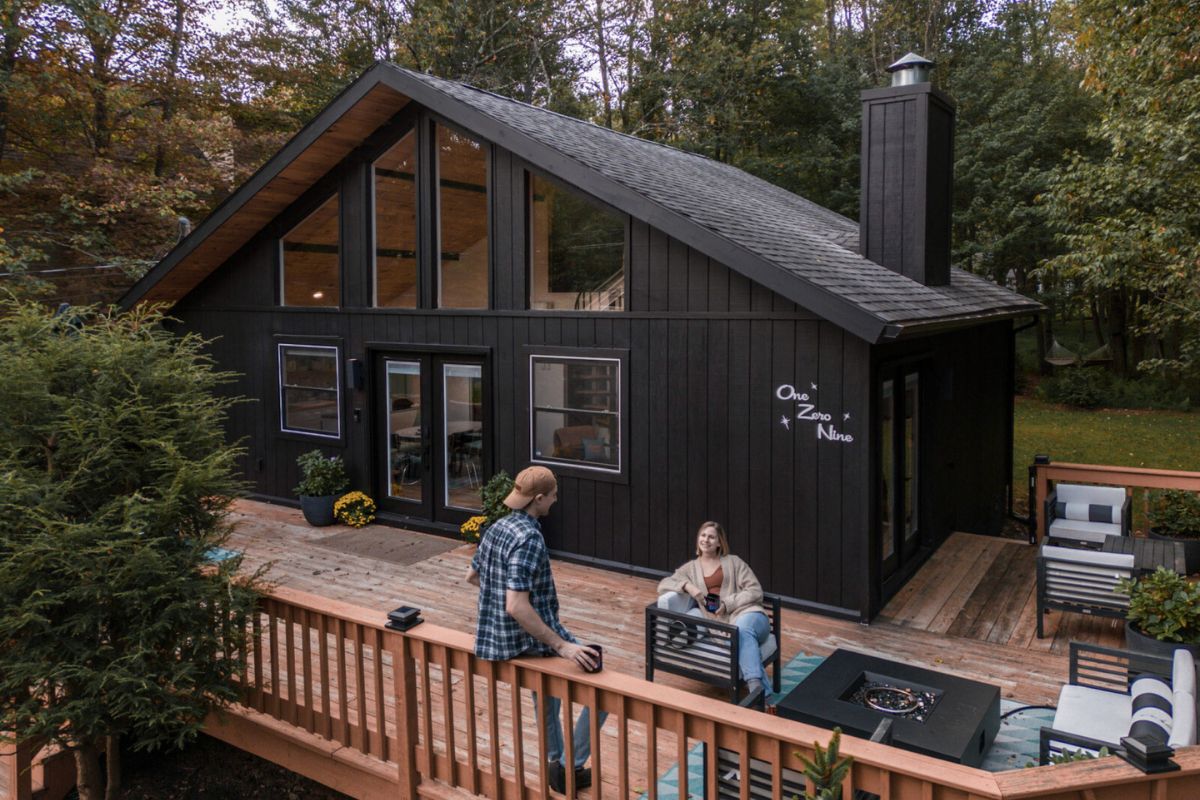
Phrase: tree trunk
(1116, 332)
(88, 778)
(602, 55)
(1045, 331)
(8, 65)
(168, 98)
(112, 762)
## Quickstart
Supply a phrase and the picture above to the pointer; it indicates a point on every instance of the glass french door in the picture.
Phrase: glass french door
(899, 467)
(433, 434)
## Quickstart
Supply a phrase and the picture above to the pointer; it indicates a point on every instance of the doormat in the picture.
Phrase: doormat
(1016, 743)
(394, 545)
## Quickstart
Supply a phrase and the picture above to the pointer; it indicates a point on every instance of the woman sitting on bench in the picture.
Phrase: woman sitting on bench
(723, 587)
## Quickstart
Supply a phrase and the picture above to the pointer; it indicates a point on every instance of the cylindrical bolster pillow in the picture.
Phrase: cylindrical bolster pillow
(1152, 709)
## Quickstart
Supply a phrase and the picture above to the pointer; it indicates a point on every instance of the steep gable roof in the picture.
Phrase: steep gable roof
(796, 248)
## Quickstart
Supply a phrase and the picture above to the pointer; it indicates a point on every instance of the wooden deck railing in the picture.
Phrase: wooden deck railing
(332, 694)
(1136, 480)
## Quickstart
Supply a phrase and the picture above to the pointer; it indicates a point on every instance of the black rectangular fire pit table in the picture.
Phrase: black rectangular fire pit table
(933, 713)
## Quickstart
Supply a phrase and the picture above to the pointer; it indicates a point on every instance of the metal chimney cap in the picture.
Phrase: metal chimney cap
(911, 69)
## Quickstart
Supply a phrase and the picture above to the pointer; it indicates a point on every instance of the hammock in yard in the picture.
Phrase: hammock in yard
(1060, 356)
(1098, 356)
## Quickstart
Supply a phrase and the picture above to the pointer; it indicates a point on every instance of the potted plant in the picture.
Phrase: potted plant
(322, 480)
(826, 770)
(492, 496)
(1175, 514)
(1164, 613)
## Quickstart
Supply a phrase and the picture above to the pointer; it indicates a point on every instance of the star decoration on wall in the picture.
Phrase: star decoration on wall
(786, 422)
(814, 386)
(845, 416)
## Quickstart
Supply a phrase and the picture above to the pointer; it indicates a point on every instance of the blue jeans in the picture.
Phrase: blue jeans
(582, 738)
(753, 631)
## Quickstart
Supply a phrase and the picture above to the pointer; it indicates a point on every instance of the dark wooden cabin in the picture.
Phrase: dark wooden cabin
(438, 282)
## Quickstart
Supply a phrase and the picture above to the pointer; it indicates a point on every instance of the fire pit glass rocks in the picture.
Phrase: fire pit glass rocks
(893, 698)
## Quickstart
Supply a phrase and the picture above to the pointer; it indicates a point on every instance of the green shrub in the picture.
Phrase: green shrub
(826, 770)
(321, 475)
(1077, 386)
(1093, 387)
(493, 494)
(1164, 605)
(1175, 512)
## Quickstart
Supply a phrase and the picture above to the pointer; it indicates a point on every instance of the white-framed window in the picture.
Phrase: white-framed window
(576, 412)
(310, 400)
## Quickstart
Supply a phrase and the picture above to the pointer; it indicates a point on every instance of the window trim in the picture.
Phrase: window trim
(337, 389)
(279, 251)
(581, 469)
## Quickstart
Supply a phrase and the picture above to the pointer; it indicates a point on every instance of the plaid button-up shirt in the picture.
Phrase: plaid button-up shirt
(513, 556)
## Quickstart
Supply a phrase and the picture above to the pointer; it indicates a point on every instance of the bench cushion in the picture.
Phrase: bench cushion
(1183, 672)
(1081, 531)
(1183, 721)
(1094, 713)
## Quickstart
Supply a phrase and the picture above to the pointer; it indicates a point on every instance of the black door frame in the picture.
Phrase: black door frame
(908, 555)
(431, 511)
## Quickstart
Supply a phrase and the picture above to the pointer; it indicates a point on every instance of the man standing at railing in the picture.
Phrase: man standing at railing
(518, 609)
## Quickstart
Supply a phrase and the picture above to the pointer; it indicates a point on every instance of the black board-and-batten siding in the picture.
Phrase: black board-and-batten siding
(707, 351)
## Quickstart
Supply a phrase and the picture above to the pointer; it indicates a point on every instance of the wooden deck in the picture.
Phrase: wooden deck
(968, 611)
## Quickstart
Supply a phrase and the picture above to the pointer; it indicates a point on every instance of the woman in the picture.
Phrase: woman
(716, 571)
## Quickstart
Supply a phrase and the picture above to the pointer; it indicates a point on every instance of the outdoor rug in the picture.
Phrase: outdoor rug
(1016, 743)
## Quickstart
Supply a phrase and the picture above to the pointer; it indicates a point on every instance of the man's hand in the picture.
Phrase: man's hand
(472, 576)
(585, 657)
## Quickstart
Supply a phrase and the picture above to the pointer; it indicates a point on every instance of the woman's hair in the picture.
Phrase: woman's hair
(722, 540)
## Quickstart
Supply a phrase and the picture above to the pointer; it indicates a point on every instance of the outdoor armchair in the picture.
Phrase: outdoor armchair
(702, 648)
(1083, 581)
(1082, 516)
(1116, 693)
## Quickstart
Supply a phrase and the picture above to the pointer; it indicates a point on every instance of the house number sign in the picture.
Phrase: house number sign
(807, 411)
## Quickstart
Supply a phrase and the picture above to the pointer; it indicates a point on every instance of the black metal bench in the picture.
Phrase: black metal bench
(706, 650)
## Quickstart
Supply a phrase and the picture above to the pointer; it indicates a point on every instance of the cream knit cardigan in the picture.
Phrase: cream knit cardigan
(740, 590)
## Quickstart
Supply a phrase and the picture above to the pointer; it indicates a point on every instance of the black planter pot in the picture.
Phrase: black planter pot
(1191, 549)
(1141, 643)
(318, 511)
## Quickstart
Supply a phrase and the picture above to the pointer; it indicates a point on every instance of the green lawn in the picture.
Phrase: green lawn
(1121, 437)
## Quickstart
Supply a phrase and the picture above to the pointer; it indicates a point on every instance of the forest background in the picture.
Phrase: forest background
(1077, 176)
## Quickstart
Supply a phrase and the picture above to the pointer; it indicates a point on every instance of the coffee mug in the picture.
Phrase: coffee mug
(712, 602)
(599, 657)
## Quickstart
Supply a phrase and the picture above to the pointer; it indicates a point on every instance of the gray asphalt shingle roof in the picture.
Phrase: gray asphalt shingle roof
(815, 245)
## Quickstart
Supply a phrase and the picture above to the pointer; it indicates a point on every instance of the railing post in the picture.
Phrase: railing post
(1038, 497)
(404, 685)
(16, 762)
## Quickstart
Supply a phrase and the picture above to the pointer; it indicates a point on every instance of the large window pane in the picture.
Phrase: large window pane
(396, 225)
(405, 439)
(462, 389)
(308, 390)
(310, 259)
(576, 411)
(578, 253)
(463, 221)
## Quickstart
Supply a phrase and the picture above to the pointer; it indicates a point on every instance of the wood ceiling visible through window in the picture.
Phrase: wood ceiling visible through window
(396, 225)
(463, 214)
(310, 260)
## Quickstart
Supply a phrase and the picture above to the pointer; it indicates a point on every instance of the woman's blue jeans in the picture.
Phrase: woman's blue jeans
(753, 631)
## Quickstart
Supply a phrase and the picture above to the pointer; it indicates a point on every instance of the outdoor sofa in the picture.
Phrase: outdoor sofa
(1082, 581)
(1081, 516)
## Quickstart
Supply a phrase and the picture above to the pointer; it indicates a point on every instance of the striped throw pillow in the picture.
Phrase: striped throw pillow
(1152, 709)
(1087, 512)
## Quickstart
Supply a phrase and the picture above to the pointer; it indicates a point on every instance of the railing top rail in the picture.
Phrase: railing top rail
(1093, 774)
(1056, 470)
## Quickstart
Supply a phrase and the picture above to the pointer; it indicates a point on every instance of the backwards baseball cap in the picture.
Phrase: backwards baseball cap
(529, 483)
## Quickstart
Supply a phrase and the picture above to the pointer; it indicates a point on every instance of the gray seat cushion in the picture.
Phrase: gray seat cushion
(1081, 531)
(1094, 713)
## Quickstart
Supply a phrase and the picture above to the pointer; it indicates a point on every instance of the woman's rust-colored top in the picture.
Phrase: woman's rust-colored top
(712, 583)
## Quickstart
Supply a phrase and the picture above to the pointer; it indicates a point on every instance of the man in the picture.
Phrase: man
(518, 609)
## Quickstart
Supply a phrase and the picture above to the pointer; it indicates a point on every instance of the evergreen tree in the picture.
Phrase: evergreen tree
(114, 481)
